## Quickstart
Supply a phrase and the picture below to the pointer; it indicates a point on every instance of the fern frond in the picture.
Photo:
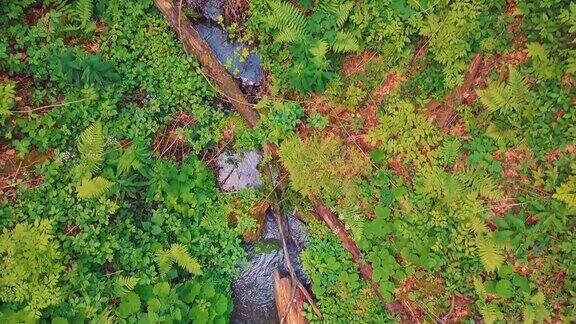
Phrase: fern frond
(61, 6)
(180, 255)
(91, 148)
(7, 92)
(489, 252)
(343, 12)
(124, 284)
(91, 188)
(103, 318)
(319, 50)
(478, 225)
(495, 97)
(480, 288)
(288, 20)
(164, 261)
(329, 6)
(481, 185)
(345, 42)
(288, 36)
(499, 133)
(83, 12)
(491, 313)
(449, 150)
(517, 86)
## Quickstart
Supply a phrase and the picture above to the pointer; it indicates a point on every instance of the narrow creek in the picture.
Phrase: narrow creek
(253, 289)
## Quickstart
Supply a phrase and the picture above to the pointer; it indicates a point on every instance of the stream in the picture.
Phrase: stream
(253, 289)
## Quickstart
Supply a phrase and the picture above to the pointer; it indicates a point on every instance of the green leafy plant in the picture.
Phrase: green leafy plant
(178, 254)
(31, 260)
(7, 93)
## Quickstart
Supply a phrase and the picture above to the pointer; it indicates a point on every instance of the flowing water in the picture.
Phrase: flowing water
(253, 289)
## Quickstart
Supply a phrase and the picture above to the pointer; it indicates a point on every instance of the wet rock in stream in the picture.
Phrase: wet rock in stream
(238, 170)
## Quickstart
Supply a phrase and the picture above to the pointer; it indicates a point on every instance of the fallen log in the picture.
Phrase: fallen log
(337, 227)
(195, 45)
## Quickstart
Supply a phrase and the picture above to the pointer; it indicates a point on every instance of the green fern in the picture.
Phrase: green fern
(91, 148)
(83, 12)
(481, 185)
(181, 256)
(341, 11)
(91, 188)
(450, 150)
(490, 313)
(124, 284)
(499, 132)
(495, 97)
(480, 288)
(345, 42)
(164, 261)
(566, 192)
(177, 254)
(319, 50)
(288, 20)
(489, 252)
(504, 97)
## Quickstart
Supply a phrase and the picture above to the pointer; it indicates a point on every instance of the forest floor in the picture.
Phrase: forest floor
(429, 149)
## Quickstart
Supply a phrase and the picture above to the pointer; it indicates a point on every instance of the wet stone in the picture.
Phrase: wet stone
(238, 170)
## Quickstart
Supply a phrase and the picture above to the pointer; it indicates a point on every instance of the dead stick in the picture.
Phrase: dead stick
(282, 231)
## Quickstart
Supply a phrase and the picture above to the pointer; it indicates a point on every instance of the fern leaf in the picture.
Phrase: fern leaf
(319, 50)
(489, 252)
(103, 318)
(328, 6)
(495, 97)
(288, 20)
(164, 261)
(180, 255)
(342, 13)
(345, 42)
(500, 133)
(517, 86)
(7, 92)
(491, 313)
(91, 148)
(83, 12)
(449, 151)
(528, 315)
(480, 288)
(93, 187)
(124, 284)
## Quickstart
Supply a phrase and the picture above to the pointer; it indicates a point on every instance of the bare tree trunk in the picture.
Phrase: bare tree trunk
(195, 45)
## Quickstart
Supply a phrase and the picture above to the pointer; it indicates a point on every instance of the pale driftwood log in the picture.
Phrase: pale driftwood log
(196, 46)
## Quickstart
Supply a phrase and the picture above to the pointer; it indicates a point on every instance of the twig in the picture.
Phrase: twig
(447, 316)
(48, 106)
